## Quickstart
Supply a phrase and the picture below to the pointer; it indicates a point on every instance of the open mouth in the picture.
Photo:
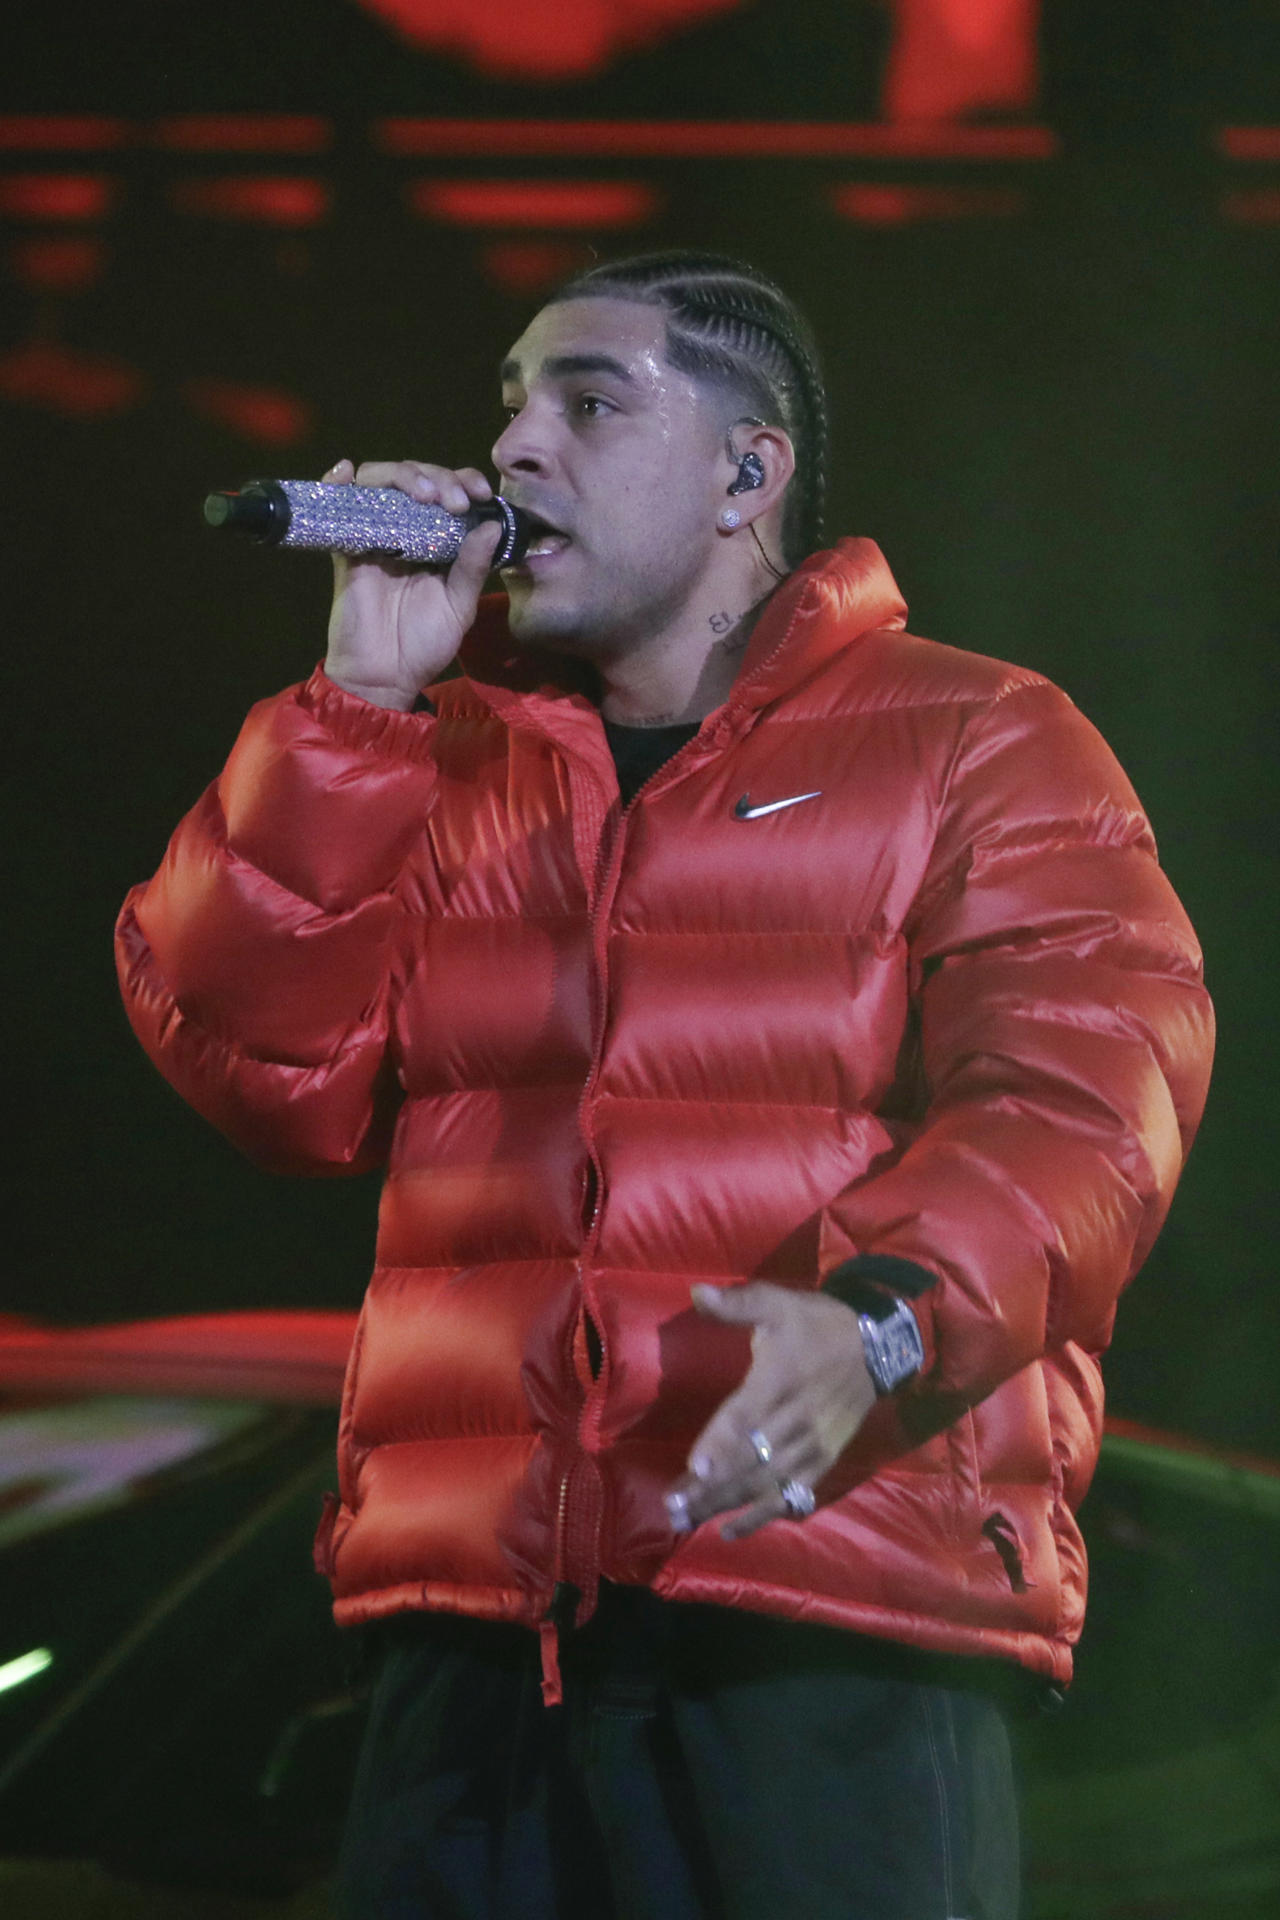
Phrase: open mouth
(544, 539)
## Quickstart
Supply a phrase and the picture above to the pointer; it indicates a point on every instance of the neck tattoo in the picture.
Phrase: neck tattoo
(732, 630)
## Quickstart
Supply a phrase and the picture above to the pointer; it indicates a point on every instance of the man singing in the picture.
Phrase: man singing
(783, 1046)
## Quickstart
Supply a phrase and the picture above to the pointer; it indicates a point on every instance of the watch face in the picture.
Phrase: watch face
(894, 1348)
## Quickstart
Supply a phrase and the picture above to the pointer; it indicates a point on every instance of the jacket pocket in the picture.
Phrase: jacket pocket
(999, 1529)
(322, 1551)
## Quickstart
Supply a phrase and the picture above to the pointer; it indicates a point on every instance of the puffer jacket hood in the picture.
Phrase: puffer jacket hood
(946, 1010)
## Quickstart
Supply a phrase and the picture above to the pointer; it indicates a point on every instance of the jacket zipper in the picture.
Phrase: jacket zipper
(580, 1579)
(566, 1593)
(575, 1569)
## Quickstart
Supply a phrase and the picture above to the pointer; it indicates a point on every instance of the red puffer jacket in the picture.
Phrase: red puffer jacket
(946, 1009)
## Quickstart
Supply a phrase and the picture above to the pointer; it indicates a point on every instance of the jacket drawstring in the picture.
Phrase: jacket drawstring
(559, 1616)
(549, 1638)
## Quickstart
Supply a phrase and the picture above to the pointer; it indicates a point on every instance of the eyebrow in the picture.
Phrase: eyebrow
(563, 366)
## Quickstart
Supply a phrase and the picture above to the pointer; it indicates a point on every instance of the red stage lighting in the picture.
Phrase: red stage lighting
(60, 132)
(266, 415)
(59, 262)
(84, 386)
(526, 268)
(245, 132)
(713, 139)
(274, 200)
(956, 57)
(1252, 206)
(1249, 143)
(873, 204)
(533, 203)
(56, 196)
(542, 40)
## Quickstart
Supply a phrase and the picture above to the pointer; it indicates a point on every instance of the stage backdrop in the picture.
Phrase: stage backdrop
(1041, 249)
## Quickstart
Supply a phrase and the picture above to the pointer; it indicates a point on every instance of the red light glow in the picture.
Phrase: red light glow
(526, 268)
(82, 386)
(713, 139)
(55, 196)
(874, 205)
(59, 263)
(245, 133)
(268, 200)
(542, 40)
(266, 415)
(1249, 143)
(953, 57)
(1253, 207)
(60, 132)
(533, 203)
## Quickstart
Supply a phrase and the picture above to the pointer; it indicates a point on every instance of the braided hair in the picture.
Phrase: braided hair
(729, 325)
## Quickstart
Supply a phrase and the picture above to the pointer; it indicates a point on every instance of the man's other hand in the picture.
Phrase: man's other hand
(806, 1393)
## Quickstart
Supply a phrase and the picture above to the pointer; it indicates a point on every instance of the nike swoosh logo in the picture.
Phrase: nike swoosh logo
(745, 811)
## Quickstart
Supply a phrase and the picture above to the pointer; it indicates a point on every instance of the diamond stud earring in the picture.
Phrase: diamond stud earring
(730, 517)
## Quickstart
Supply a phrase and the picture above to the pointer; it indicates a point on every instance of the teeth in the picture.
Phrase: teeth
(546, 543)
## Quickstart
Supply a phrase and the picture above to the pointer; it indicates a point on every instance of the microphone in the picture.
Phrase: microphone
(317, 515)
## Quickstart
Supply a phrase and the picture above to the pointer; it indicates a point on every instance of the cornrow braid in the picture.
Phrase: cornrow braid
(730, 325)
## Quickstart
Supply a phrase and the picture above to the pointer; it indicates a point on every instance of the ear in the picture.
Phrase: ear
(772, 448)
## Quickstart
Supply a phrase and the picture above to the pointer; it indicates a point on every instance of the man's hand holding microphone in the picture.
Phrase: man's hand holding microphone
(394, 626)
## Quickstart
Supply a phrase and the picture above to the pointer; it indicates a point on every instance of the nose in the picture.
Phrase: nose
(520, 448)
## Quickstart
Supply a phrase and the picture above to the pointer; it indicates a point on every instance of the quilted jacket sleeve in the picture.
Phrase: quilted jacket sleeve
(1065, 1040)
(255, 965)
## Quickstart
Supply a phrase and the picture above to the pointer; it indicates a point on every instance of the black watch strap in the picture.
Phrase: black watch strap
(872, 1282)
(877, 1286)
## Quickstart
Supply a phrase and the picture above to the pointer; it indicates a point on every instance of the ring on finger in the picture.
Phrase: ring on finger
(760, 1446)
(798, 1497)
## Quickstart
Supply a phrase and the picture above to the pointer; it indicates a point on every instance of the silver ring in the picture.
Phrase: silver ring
(798, 1498)
(760, 1446)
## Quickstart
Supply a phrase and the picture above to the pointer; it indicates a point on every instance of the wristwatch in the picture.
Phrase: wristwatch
(894, 1349)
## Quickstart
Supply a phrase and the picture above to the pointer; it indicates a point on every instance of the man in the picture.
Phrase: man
(784, 1046)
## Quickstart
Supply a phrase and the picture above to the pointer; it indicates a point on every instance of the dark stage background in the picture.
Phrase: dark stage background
(239, 240)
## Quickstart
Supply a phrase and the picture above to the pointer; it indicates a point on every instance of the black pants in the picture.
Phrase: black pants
(706, 1764)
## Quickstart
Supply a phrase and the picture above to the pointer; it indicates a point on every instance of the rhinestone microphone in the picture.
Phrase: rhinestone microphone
(317, 515)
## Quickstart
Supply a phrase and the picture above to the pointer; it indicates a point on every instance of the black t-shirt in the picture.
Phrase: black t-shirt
(638, 752)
